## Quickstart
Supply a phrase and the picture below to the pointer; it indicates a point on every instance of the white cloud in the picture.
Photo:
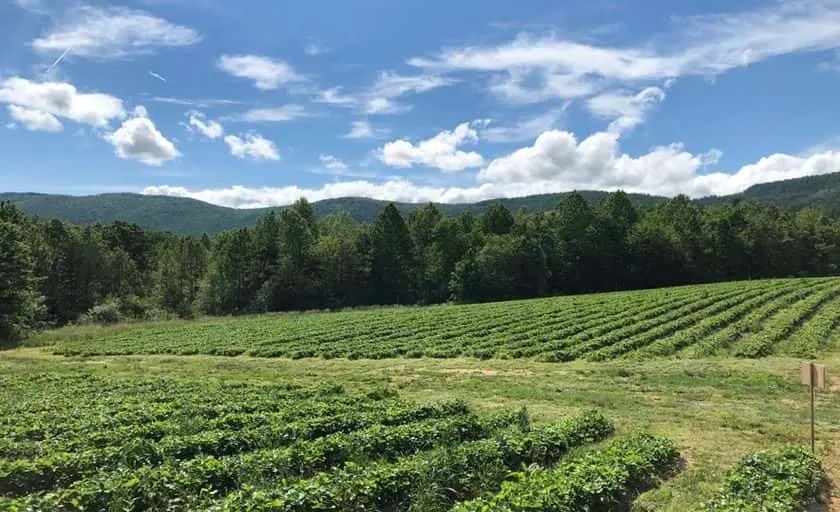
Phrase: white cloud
(702, 45)
(524, 129)
(380, 99)
(35, 120)
(440, 151)
(196, 103)
(364, 130)
(382, 106)
(671, 160)
(393, 85)
(252, 145)
(62, 100)
(559, 161)
(275, 114)
(332, 163)
(140, 140)
(266, 73)
(210, 129)
(113, 33)
(625, 108)
(333, 96)
(313, 49)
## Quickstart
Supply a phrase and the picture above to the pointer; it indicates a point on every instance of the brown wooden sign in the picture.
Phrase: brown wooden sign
(818, 377)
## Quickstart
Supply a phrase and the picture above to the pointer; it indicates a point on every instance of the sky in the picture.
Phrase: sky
(260, 102)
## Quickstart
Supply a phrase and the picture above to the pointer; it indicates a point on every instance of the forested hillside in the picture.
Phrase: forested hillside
(191, 217)
(55, 273)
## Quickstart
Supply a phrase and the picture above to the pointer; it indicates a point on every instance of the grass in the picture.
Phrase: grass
(717, 410)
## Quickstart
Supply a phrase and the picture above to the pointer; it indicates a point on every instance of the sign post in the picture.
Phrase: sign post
(814, 376)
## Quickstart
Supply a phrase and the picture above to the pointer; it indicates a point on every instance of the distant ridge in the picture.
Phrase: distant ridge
(190, 216)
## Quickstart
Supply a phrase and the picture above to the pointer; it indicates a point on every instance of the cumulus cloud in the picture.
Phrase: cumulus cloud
(441, 151)
(332, 163)
(364, 130)
(35, 120)
(532, 69)
(139, 139)
(266, 73)
(276, 114)
(253, 146)
(210, 129)
(61, 100)
(113, 33)
(625, 108)
(680, 166)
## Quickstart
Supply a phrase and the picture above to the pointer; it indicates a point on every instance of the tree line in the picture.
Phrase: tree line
(53, 273)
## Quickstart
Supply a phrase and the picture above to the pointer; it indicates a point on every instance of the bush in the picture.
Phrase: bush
(107, 313)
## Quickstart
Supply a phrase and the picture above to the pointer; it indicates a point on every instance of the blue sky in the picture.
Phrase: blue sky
(255, 103)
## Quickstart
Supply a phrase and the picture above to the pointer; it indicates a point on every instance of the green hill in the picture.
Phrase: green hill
(190, 216)
(821, 191)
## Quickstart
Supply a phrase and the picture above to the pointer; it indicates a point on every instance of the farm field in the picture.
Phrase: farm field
(667, 398)
(750, 319)
(221, 433)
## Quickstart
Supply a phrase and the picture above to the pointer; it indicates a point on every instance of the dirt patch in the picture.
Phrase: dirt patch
(488, 372)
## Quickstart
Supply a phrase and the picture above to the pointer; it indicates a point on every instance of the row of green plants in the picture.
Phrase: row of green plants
(392, 466)
(432, 481)
(604, 479)
(45, 435)
(788, 479)
(749, 319)
(781, 326)
(722, 341)
(18, 476)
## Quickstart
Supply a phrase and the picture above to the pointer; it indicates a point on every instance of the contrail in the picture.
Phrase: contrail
(59, 59)
(155, 75)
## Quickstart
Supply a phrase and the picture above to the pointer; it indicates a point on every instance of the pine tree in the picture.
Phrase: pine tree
(18, 300)
(392, 258)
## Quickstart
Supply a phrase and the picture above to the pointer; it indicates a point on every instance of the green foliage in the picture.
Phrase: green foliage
(605, 479)
(19, 303)
(784, 480)
(187, 216)
(690, 321)
(78, 442)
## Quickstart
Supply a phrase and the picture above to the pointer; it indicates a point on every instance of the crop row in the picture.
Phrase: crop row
(605, 479)
(79, 419)
(193, 483)
(431, 481)
(788, 479)
(24, 475)
(784, 324)
(750, 319)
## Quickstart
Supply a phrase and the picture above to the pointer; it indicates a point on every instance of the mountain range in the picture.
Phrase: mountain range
(190, 216)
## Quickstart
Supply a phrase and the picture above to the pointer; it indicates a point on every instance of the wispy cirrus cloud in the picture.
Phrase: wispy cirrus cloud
(533, 69)
(283, 113)
(112, 33)
(363, 129)
(265, 72)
